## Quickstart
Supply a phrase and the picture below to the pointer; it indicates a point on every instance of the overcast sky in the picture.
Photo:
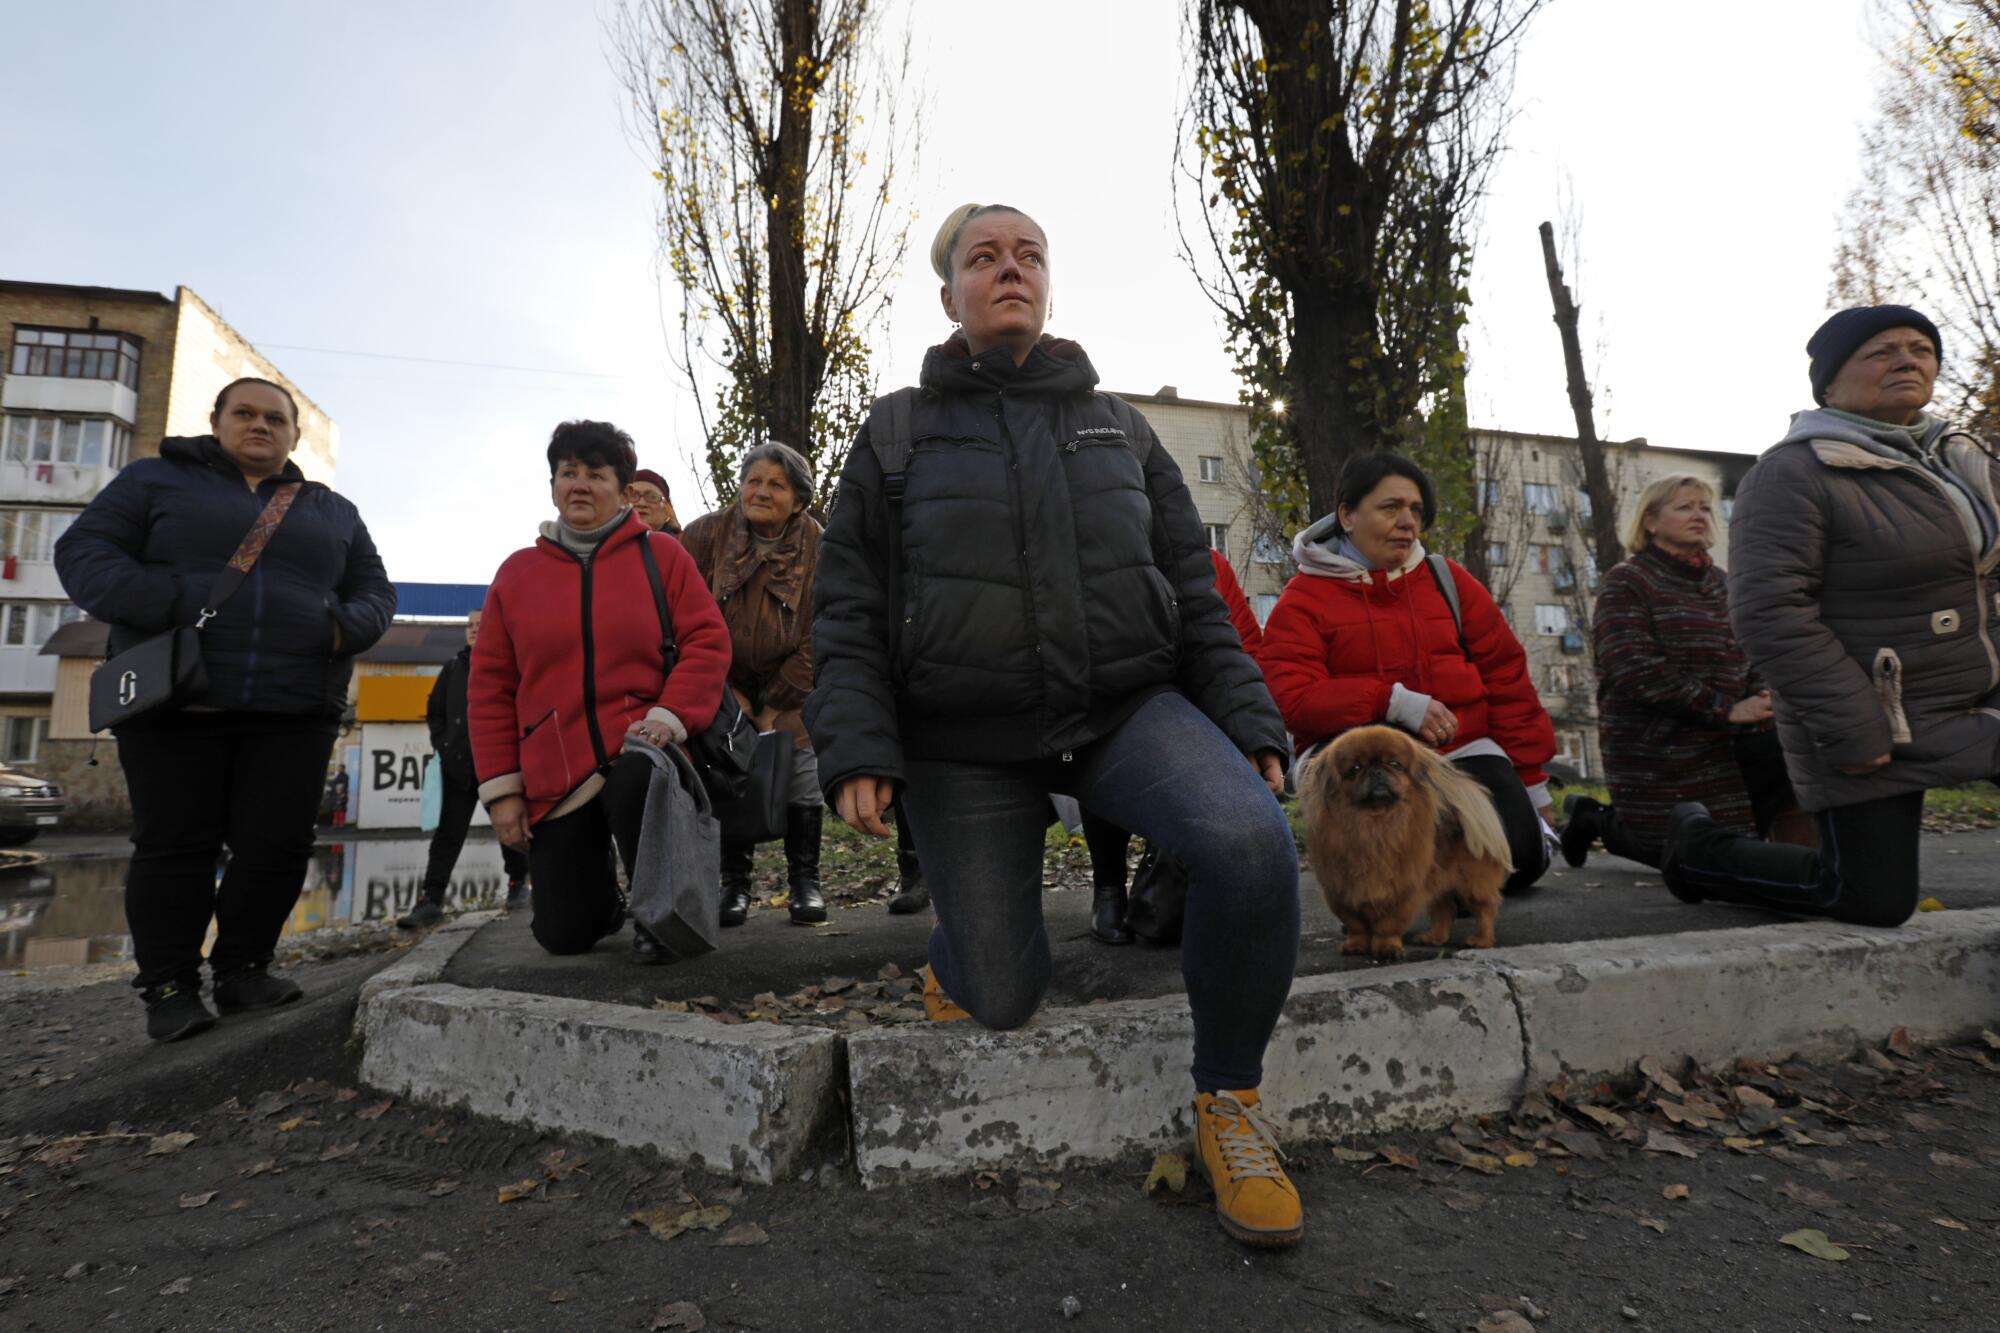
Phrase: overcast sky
(450, 181)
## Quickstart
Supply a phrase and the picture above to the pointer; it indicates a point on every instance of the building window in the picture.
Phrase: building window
(32, 624)
(77, 354)
(1571, 746)
(1211, 468)
(1264, 604)
(1561, 678)
(1582, 503)
(84, 441)
(1496, 555)
(1266, 550)
(1551, 619)
(1489, 494)
(1539, 496)
(1218, 537)
(1728, 507)
(1546, 558)
(24, 738)
(30, 534)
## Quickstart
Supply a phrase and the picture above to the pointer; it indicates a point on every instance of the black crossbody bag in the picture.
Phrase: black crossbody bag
(723, 753)
(165, 671)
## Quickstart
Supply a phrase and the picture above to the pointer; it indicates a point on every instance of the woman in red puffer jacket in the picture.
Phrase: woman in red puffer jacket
(569, 663)
(1363, 634)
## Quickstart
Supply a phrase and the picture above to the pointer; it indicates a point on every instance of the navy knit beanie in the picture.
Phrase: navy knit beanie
(1842, 335)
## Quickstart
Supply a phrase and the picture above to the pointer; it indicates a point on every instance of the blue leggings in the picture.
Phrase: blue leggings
(1169, 775)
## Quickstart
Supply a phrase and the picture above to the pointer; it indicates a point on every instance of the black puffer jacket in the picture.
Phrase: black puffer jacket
(451, 731)
(145, 552)
(1049, 585)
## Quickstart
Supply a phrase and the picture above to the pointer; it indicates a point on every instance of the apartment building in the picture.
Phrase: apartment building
(91, 378)
(1539, 563)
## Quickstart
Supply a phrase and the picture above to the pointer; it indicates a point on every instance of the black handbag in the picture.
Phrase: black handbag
(723, 753)
(1158, 901)
(758, 815)
(165, 671)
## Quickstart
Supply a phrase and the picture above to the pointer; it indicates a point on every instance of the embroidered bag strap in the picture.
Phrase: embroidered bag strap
(253, 544)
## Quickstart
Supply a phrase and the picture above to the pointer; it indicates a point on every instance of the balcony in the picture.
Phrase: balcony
(1564, 580)
(80, 397)
(23, 670)
(1572, 643)
(1557, 520)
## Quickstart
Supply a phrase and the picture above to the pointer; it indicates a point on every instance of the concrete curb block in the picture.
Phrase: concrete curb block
(1360, 1052)
(757, 1100)
(427, 959)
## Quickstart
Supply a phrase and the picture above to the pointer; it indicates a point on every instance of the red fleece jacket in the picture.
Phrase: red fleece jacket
(1334, 649)
(564, 643)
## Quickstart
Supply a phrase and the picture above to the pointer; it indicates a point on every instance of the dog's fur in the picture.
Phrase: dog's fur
(1394, 830)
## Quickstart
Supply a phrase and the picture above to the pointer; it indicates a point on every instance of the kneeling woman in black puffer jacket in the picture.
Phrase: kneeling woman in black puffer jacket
(1054, 626)
(242, 766)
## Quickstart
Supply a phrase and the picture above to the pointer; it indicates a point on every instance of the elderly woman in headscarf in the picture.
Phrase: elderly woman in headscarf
(652, 501)
(758, 558)
(1861, 551)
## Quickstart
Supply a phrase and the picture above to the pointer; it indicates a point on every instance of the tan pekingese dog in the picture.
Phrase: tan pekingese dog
(1392, 831)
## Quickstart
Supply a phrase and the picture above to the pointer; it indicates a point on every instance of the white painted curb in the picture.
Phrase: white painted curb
(426, 960)
(756, 1100)
(1363, 1051)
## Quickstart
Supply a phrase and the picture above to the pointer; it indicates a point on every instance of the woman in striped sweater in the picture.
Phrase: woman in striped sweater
(1680, 716)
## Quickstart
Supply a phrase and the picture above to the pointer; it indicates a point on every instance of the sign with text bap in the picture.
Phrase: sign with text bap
(390, 779)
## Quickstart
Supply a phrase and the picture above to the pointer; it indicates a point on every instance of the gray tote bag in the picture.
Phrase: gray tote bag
(676, 890)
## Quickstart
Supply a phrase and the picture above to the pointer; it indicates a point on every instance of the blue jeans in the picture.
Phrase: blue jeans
(1169, 775)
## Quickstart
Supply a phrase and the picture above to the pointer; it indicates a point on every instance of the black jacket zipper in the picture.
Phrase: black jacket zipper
(589, 660)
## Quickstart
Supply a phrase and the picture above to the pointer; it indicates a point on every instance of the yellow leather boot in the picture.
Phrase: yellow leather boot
(1237, 1149)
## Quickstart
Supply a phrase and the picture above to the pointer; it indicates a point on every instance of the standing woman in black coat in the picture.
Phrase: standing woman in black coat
(243, 766)
(1056, 629)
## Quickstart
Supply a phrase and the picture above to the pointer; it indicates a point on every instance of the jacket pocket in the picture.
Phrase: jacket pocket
(544, 763)
(1888, 677)
(1170, 606)
(908, 621)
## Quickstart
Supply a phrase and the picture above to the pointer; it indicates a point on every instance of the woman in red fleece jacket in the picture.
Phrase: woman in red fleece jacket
(1363, 634)
(568, 664)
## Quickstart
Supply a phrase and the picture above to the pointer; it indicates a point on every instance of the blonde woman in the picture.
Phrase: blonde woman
(1024, 604)
(1680, 715)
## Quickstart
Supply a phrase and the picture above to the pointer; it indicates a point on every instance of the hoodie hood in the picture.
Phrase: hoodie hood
(1324, 551)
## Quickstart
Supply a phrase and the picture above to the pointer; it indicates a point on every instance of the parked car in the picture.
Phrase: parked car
(28, 805)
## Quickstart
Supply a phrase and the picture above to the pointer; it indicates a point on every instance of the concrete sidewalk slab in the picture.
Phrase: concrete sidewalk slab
(756, 1100)
(1353, 1053)
(1414, 1045)
(1813, 989)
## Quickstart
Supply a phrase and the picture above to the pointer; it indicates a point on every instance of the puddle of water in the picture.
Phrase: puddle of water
(67, 912)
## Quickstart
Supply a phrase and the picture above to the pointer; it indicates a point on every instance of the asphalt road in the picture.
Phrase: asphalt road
(300, 1203)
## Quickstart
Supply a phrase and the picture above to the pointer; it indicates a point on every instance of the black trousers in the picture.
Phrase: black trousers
(574, 894)
(1519, 819)
(454, 819)
(204, 781)
(1762, 764)
(1864, 870)
(1107, 844)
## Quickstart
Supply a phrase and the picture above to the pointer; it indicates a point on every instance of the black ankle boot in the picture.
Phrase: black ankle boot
(736, 862)
(803, 825)
(428, 911)
(1583, 820)
(912, 895)
(174, 1010)
(1107, 914)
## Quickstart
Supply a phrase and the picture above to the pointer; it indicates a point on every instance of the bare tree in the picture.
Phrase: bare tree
(1265, 522)
(1593, 480)
(1338, 152)
(1924, 226)
(1496, 552)
(777, 134)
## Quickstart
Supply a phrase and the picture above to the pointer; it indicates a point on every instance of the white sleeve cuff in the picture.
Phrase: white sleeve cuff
(507, 784)
(1407, 708)
(1538, 795)
(676, 729)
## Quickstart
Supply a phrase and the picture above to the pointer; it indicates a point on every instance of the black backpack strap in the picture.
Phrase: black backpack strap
(1448, 588)
(669, 653)
(891, 435)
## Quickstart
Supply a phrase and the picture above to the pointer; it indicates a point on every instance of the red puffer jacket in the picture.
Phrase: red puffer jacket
(1336, 646)
(569, 656)
(1241, 617)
